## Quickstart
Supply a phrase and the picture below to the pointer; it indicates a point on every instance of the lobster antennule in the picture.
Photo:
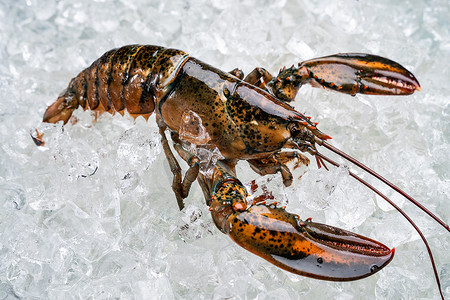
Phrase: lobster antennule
(382, 179)
(370, 171)
(301, 247)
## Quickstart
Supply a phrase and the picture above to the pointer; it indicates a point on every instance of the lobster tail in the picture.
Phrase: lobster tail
(120, 79)
(62, 108)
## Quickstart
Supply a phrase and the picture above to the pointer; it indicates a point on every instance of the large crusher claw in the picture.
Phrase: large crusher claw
(302, 247)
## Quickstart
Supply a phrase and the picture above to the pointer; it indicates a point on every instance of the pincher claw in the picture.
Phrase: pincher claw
(302, 247)
(354, 73)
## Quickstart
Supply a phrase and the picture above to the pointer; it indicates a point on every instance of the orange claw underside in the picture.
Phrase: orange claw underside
(306, 248)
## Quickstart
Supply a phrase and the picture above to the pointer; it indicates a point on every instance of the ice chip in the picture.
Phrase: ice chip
(44, 9)
(194, 226)
(138, 148)
(12, 195)
(300, 48)
(192, 129)
(352, 203)
(207, 157)
(129, 182)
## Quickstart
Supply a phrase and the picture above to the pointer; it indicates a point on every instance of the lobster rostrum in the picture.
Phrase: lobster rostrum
(249, 119)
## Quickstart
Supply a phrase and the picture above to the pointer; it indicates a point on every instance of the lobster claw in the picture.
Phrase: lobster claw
(306, 248)
(353, 73)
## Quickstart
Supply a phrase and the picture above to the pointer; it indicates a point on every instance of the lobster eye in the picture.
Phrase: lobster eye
(295, 130)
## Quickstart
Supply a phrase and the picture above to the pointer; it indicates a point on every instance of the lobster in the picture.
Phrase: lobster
(246, 118)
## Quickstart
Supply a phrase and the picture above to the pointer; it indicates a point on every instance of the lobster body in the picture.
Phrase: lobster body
(245, 119)
(219, 110)
(207, 106)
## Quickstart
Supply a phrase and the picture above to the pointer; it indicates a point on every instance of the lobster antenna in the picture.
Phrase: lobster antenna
(399, 210)
(384, 180)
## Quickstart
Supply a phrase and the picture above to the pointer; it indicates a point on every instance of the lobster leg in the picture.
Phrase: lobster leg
(180, 187)
(237, 72)
(301, 247)
(259, 77)
(277, 163)
(289, 156)
(191, 174)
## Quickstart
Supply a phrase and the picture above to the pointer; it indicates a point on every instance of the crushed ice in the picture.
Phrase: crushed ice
(92, 214)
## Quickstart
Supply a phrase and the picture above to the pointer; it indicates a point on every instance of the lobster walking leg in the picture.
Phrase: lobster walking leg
(191, 174)
(289, 156)
(180, 186)
(259, 77)
(174, 168)
(265, 167)
(277, 163)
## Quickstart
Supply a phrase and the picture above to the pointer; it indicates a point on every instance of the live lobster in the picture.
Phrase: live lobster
(245, 119)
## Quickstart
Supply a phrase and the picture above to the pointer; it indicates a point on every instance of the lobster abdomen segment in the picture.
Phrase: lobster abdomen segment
(125, 78)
